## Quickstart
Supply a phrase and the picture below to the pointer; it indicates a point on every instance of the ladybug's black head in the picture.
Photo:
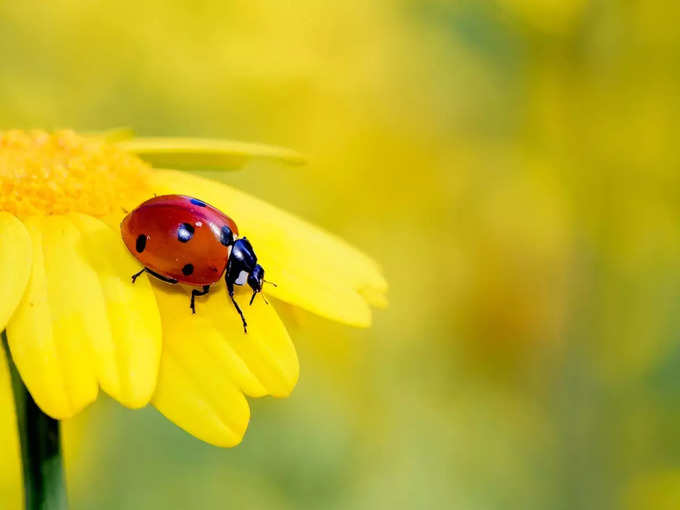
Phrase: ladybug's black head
(256, 279)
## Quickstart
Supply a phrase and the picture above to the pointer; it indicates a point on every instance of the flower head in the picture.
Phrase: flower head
(75, 323)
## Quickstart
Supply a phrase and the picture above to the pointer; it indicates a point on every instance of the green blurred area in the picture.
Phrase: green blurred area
(513, 165)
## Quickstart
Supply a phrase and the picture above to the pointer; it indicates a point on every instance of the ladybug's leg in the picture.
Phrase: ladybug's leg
(196, 292)
(153, 273)
(230, 288)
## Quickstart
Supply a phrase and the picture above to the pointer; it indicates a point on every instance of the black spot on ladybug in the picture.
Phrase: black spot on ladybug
(141, 243)
(197, 202)
(185, 232)
(226, 236)
(188, 269)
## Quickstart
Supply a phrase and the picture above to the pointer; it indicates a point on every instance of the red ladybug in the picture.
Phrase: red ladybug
(180, 239)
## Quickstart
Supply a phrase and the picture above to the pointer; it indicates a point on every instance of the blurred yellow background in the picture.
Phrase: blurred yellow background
(512, 165)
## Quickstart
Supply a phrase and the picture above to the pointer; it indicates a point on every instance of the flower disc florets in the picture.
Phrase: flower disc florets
(61, 172)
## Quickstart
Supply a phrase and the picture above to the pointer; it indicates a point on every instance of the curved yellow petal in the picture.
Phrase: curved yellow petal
(11, 493)
(205, 154)
(266, 349)
(208, 361)
(15, 264)
(60, 318)
(312, 268)
(130, 362)
(211, 409)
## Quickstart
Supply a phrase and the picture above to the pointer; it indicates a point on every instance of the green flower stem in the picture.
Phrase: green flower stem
(41, 458)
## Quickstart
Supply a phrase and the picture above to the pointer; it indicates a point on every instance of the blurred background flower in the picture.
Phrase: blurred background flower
(522, 149)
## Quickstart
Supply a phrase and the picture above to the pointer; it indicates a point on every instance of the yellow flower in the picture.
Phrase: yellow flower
(75, 323)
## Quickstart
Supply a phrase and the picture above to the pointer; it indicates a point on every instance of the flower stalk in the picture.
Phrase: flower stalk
(43, 471)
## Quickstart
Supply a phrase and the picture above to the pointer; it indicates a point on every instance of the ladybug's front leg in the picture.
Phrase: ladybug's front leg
(230, 289)
(196, 292)
(230, 277)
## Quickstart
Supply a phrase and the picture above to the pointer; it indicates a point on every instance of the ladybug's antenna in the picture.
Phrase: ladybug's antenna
(270, 283)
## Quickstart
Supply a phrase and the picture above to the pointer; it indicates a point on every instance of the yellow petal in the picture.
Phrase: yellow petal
(130, 362)
(60, 319)
(210, 409)
(15, 264)
(10, 467)
(266, 349)
(205, 154)
(208, 361)
(313, 269)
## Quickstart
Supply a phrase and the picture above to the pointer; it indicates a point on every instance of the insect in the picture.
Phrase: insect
(181, 239)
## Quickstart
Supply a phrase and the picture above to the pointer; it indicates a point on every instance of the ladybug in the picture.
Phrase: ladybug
(181, 239)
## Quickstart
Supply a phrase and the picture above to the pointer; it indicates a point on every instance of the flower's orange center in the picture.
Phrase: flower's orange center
(43, 173)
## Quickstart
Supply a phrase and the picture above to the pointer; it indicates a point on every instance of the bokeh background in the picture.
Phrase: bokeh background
(514, 166)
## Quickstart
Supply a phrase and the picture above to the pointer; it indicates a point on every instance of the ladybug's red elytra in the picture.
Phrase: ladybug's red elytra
(181, 239)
